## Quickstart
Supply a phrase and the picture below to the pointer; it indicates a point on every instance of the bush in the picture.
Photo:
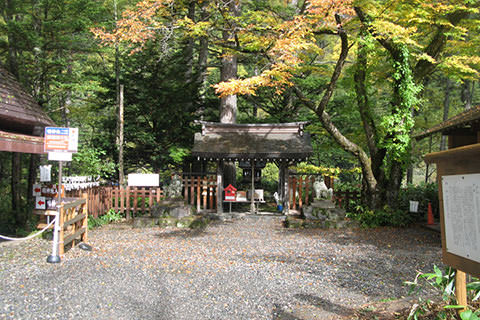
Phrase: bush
(110, 216)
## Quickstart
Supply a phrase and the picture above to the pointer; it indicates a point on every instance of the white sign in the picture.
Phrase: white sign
(61, 139)
(59, 156)
(37, 190)
(46, 173)
(143, 180)
(40, 203)
(461, 210)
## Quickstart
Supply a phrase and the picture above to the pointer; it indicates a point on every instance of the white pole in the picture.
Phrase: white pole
(54, 257)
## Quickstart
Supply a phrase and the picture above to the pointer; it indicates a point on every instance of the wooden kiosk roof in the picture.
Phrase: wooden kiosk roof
(21, 118)
(464, 120)
(280, 141)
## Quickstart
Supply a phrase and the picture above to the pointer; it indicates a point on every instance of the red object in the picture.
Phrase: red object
(41, 202)
(430, 219)
(37, 189)
(230, 193)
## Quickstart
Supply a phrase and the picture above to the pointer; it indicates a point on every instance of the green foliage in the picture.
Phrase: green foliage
(381, 218)
(424, 194)
(92, 162)
(270, 177)
(109, 217)
(399, 122)
(443, 282)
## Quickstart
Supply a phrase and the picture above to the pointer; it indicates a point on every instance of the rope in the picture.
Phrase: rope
(30, 236)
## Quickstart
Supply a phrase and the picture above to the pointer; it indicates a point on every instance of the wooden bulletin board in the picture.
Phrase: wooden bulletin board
(458, 174)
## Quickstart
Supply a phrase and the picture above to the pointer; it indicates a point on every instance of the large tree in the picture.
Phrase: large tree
(405, 42)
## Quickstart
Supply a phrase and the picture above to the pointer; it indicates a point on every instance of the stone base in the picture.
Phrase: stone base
(320, 214)
(172, 208)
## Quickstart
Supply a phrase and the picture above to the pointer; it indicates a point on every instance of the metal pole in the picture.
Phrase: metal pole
(54, 257)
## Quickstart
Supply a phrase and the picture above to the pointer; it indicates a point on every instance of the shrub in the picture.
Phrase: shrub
(110, 216)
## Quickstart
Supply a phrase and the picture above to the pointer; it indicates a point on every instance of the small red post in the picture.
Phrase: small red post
(430, 220)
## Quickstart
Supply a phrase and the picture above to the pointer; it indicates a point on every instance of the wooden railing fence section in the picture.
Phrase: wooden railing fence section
(73, 223)
(201, 192)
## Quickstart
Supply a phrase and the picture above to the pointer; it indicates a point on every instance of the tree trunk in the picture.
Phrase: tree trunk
(467, 94)
(228, 104)
(202, 59)
(15, 188)
(446, 109)
(121, 171)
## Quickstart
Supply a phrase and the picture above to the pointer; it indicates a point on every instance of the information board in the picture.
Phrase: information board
(61, 139)
(143, 180)
(461, 202)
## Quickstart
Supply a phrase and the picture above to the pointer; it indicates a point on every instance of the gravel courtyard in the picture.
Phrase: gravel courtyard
(249, 268)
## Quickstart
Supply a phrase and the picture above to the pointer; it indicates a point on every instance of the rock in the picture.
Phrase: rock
(173, 208)
(144, 222)
(323, 214)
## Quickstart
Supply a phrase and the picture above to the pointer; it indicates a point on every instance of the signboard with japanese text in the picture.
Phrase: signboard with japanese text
(461, 207)
(61, 139)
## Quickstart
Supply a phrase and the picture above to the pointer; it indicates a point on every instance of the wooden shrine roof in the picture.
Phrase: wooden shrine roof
(464, 119)
(282, 141)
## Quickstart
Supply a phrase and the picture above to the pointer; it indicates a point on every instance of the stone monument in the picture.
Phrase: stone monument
(322, 211)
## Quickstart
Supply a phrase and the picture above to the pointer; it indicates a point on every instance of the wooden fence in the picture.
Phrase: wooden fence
(198, 191)
(201, 192)
(73, 223)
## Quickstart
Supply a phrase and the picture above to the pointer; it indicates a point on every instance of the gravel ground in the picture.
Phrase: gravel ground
(249, 268)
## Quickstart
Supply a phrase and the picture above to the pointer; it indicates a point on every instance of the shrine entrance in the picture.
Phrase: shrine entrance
(252, 146)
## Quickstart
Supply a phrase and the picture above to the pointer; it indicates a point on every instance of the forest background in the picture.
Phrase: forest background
(368, 75)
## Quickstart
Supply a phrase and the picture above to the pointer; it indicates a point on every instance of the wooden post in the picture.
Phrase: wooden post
(300, 192)
(192, 190)
(461, 289)
(61, 235)
(198, 193)
(135, 201)
(85, 220)
(210, 191)
(127, 203)
(294, 192)
(205, 192)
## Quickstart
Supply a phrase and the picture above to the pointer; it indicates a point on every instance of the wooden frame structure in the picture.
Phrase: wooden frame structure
(73, 221)
(282, 143)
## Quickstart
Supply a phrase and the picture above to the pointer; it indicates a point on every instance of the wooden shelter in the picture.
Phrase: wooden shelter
(21, 118)
(282, 143)
(461, 130)
(458, 177)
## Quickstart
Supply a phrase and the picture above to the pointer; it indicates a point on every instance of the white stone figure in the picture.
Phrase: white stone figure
(321, 190)
(276, 197)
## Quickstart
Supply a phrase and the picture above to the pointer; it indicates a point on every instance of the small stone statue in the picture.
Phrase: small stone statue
(321, 191)
(174, 189)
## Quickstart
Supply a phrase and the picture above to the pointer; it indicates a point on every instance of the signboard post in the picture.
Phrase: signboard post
(60, 143)
(458, 174)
